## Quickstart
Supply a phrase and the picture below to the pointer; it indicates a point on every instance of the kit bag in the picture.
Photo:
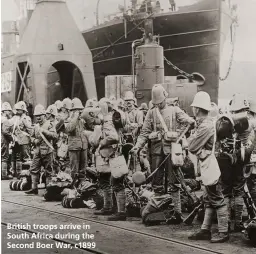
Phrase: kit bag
(208, 165)
(118, 165)
(102, 164)
(176, 148)
(177, 155)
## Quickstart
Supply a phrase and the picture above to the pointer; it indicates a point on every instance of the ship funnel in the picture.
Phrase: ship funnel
(53, 51)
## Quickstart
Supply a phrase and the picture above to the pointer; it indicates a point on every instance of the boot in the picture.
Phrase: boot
(239, 205)
(34, 189)
(108, 203)
(32, 192)
(4, 172)
(117, 217)
(220, 237)
(104, 211)
(120, 200)
(175, 219)
(202, 234)
(238, 227)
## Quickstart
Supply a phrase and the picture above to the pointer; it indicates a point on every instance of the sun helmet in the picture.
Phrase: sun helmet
(239, 102)
(129, 96)
(159, 94)
(58, 104)
(67, 103)
(77, 104)
(252, 105)
(143, 106)
(52, 109)
(39, 110)
(89, 103)
(6, 107)
(21, 105)
(202, 100)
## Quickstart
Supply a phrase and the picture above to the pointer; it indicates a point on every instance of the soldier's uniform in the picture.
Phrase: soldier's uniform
(22, 127)
(251, 181)
(202, 144)
(6, 138)
(43, 135)
(77, 140)
(160, 148)
(232, 177)
(107, 150)
(134, 115)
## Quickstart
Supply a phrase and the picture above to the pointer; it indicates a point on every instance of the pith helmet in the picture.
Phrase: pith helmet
(6, 107)
(104, 99)
(144, 106)
(252, 105)
(129, 96)
(66, 103)
(52, 109)
(89, 103)
(58, 104)
(21, 105)
(112, 98)
(202, 100)
(159, 94)
(77, 104)
(39, 110)
(238, 102)
(120, 103)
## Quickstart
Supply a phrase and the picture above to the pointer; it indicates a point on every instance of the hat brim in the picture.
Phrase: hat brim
(205, 108)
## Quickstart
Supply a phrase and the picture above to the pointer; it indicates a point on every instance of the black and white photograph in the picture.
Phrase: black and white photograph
(128, 126)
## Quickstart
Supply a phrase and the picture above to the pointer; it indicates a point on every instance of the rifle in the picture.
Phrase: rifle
(189, 220)
(185, 188)
(250, 206)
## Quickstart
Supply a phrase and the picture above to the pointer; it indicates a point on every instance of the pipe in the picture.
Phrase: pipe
(134, 43)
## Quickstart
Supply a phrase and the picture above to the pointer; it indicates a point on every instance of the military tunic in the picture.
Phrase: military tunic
(6, 138)
(43, 153)
(77, 144)
(203, 138)
(161, 148)
(22, 127)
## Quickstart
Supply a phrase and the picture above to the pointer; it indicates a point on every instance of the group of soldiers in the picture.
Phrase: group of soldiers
(100, 128)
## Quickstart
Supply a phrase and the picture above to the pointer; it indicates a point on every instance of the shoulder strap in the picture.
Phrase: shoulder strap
(174, 124)
(214, 139)
(154, 117)
(161, 120)
(45, 140)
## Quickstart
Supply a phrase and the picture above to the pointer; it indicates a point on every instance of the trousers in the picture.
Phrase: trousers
(232, 178)
(158, 179)
(251, 183)
(213, 196)
(40, 160)
(78, 161)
